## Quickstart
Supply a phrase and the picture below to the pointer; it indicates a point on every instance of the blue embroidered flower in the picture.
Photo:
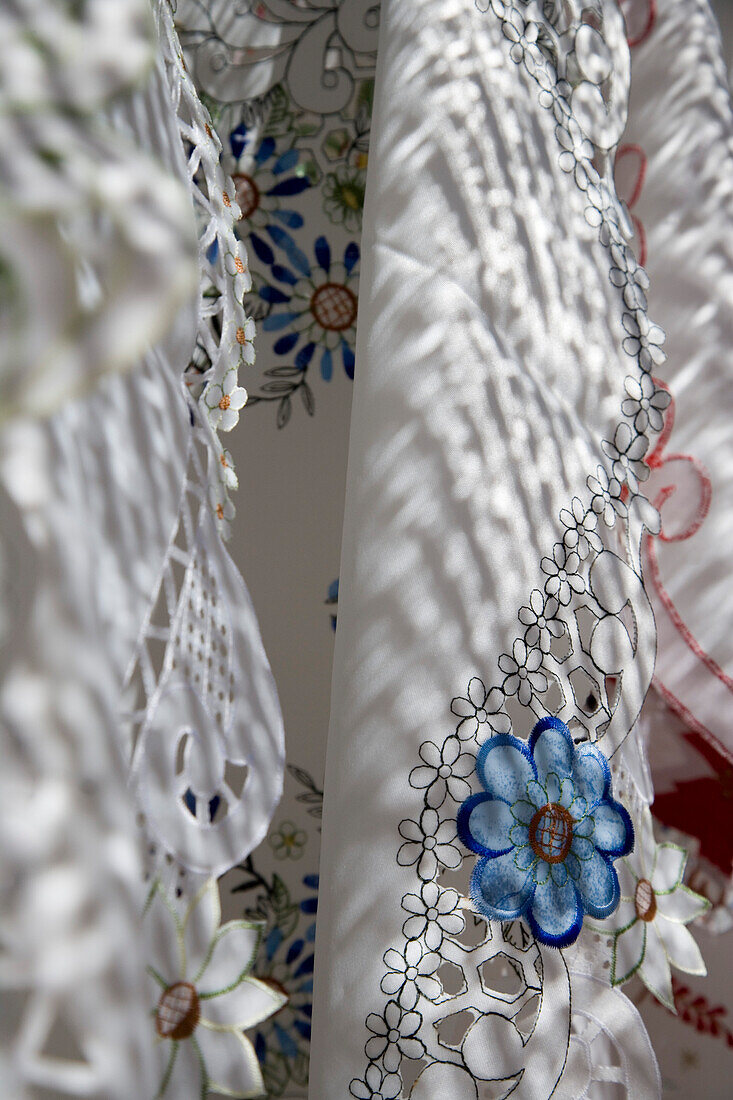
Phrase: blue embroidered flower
(264, 182)
(547, 830)
(320, 306)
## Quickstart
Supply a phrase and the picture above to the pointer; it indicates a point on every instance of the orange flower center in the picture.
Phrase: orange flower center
(241, 338)
(334, 307)
(239, 265)
(645, 902)
(551, 833)
(178, 1012)
(225, 401)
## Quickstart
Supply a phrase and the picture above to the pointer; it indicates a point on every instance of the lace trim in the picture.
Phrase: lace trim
(470, 999)
(225, 335)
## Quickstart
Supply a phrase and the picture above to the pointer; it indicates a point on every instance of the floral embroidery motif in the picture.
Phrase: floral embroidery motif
(582, 665)
(547, 831)
(320, 305)
(288, 841)
(297, 151)
(286, 959)
(651, 919)
(205, 996)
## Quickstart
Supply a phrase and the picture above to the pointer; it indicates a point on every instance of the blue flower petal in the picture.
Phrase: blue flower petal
(613, 831)
(213, 251)
(287, 1044)
(266, 149)
(303, 1028)
(276, 321)
(273, 941)
(323, 253)
(306, 967)
(261, 249)
(293, 951)
(272, 294)
(291, 218)
(598, 886)
(285, 161)
(555, 913)
(312, 881)
(351, 256)
(238, 140)
(591, 774)
(348, 358)
(292, 186)
(484, 824)
(326, 365)
(284, 274)
(304, 356)
(552, 746)
(505, 767)
(283, 240)
(286, 343)
(499, 888)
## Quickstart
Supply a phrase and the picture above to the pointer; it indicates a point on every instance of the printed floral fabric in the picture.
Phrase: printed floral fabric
(297, 155)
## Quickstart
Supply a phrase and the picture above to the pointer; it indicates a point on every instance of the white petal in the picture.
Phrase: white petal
(232, 956)
(163, 936)
(682, 905)
(681, 948)
(187, 1075)
(247, 1004)
(200, 926)
(231, 1064)
(654, 971)
(628, 952)
(669, 863)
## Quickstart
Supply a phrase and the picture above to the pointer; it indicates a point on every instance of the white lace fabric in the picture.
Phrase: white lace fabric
(128, 634)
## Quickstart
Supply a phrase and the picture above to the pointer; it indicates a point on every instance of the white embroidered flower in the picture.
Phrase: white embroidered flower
(224, 400)
(443, 771)
(434, 912)
(644, 340)
(645, 403)
(650, 920)
(540, 618)
(393, 1036)
(580, 534)
(562, 574)
(204, 997)
(522, 34)
(410, 974)
(235, 265)
(606, 500)
(627, 455)
(626, 274)
(228, 473)
(376, 1086)
(523, 677)
(223, 509)
(429, 844)
(577, 152)
(480, 708)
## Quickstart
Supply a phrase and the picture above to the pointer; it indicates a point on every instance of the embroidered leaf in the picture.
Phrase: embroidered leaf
(515, 932)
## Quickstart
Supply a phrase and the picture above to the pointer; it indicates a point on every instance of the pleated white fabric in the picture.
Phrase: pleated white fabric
(489, 369)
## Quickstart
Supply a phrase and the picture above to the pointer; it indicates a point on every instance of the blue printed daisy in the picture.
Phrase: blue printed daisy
(318, 306)
(265, 180)
(547, 830)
